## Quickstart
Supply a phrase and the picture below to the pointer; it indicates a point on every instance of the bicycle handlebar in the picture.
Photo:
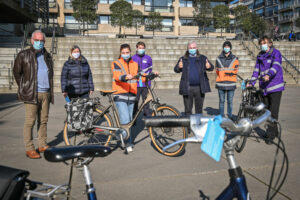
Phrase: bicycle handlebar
(246, 80)
(150, 76)
(198, 124)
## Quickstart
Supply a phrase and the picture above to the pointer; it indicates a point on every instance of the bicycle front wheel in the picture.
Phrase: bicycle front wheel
(93, 136)
(162, 136)
(240, 145)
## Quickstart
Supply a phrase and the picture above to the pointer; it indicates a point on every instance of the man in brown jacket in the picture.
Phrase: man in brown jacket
(33, 71)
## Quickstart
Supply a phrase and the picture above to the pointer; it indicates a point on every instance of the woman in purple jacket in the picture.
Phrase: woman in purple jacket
(268, 67)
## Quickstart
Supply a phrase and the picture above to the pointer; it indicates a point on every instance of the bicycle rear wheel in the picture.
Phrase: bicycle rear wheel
(92, 136)
(162, 136)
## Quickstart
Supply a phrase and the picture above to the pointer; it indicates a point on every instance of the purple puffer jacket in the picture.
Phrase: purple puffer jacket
(269, 64)
(145, 66)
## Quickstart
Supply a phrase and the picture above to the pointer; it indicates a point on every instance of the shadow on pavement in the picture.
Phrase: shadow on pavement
(58, 139)
(211, 111)
(203, 196)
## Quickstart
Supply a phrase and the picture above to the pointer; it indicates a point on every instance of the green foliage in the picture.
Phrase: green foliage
(254, 23)
(202, 13)
(85, 11)
(121, 14)
(298, 22)
(154, 21)
(137, 19)
(221, 17)
(240, 12)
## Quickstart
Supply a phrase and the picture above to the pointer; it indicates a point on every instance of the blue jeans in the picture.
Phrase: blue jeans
(230, 94)
(125, 110)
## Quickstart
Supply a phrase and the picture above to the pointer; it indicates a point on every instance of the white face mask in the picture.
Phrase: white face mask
(76, 55)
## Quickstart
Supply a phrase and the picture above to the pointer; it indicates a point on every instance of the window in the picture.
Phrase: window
(106, 1)
(260, 12)
(167, 22)
(187, 22)
(104, 19)
(214, 4)
(135, 2)
(185, 3)
(159, 3)
(69, 19)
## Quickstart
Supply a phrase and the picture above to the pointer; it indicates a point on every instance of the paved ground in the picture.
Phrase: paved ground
(145, 174)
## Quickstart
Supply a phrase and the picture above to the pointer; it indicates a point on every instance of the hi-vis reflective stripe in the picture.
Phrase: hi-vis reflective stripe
(117, 70)
(225, 69)
(265, 72)
(274, 70)
(253, 78)
(132, 81)
(230, 66)
(144, 70)
(277, 63)
(225, 84)
(256, 70)
(124, 97)
(275, 87)
(122, 67)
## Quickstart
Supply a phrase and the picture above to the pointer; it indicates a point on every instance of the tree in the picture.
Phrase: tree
(298, 22)
(85, 11)
(202, 13)
(137, 19)
(154, 21)
(254, 23)
(121, 14)
(240, 12)
(221, 17)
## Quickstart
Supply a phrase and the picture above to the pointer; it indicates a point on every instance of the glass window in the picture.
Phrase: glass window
(137, 2)
(167, 22)
(67, 1)
(214, 4)
(187, 22)
(69, 19)
(103, 1)
(112, 1)
(260, 12)
(185, 3)
(104, 19)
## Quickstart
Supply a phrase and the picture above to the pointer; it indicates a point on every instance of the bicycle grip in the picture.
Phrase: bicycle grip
(167, 121)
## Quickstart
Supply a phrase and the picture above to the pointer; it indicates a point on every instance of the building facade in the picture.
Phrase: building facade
(289, 11)
(177, 17)
(268, 9)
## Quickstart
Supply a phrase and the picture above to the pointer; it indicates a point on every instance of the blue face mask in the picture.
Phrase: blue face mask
(141, 51)
(264, 47)
(226, 50)
(192, 51)
(125, 56)
(38, 45)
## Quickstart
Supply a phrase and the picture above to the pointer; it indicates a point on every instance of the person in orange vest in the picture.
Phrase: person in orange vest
(124, 71)
(226, 84)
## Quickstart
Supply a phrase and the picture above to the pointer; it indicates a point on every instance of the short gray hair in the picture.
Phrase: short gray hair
(38, 31)
(191, 42)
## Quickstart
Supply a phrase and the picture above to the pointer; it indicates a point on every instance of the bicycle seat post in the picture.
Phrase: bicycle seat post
(90, 189)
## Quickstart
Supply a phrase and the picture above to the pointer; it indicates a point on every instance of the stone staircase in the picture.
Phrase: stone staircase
(101, 51)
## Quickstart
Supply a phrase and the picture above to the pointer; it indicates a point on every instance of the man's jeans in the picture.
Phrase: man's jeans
(41, 112)
(230, 94)
(125, 110)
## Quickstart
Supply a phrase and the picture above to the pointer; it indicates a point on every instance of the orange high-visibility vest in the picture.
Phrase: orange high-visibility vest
(120, 69)
(223, 80)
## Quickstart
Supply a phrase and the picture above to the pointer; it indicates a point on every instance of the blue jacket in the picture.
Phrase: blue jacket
(269, 64)
(184, 81)
(145, 66)
(76, 77)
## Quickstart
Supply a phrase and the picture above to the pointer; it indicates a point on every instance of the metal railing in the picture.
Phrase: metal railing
(287, 64)
(159, 8)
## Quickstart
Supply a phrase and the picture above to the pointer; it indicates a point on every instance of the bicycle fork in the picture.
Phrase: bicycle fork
(90, 189)
(237, 187)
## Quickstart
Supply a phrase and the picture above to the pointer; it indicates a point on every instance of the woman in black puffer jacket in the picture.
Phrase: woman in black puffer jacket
(76, 76)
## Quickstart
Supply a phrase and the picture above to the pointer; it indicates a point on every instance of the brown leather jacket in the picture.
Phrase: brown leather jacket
(25, 72)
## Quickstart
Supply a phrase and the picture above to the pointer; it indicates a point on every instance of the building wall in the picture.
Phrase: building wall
(103, 10)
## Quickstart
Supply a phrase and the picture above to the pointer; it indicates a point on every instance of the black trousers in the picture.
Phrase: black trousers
(195, 95)
(142, 92)
(272, 102)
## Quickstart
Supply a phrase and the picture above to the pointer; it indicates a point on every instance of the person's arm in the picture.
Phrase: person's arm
(276, 65)
(64, 79)
(217, 67)
(236, 67)
(208, 65)
(178, 67)
(117, 72)
(17, 69)
(90, 79)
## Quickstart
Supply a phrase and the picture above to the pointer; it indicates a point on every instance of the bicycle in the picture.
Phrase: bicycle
(84, 155)
(250, 97)
(105, 125)
(237, 187)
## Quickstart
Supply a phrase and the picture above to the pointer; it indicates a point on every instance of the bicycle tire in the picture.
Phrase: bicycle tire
(93, 136)
(161, 136)
(240, 145)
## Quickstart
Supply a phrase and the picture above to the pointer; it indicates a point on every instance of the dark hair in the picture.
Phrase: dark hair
(264, 38)
(140, 43)
(227, 43)
(75, 47)
(125, 46)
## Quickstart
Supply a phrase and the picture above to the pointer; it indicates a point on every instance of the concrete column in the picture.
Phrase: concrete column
(176, 19)
(61, 14)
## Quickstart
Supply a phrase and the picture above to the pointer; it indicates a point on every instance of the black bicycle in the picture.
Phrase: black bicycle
(250, 97)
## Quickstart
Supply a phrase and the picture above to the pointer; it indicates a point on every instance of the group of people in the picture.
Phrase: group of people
(33, 71)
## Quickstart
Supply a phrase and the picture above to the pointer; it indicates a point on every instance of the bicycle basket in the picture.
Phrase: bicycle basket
(80, 114)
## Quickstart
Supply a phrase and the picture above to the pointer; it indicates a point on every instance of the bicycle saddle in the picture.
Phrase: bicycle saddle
(60, 154)
(106, 92)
